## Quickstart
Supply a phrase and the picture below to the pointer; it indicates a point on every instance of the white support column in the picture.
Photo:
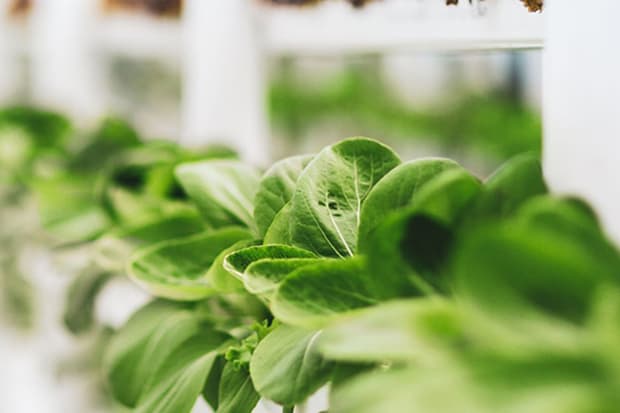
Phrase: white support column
(582, 104)
(8, 77)
(65, 73)
(223, 79)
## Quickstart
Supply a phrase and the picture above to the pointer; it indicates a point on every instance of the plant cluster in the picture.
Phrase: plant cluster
(494, 127)
(402, 286)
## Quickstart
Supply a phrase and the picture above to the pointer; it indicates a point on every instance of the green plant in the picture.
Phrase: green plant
(492, 127)
(402, 286)
(385, 280)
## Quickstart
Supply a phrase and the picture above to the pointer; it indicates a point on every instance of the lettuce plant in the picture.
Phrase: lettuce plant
(384, 280)
(401, 286)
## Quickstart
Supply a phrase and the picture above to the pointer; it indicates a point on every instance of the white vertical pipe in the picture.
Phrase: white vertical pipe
(65, 73)
(7, 57)
(223, 78)
(581, 104)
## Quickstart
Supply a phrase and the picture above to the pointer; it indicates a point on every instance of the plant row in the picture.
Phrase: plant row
(398, 285)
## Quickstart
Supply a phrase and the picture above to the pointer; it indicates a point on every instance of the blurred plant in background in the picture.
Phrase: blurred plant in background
(30, 141)
(491, 127)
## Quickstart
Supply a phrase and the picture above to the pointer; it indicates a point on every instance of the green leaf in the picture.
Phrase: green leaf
(327, 203)
(212, 385)
(223, 190)
(80, 300)
(279, 232)
(412, 330)
(549, 384)
(146, 171)
(276, 189)
(68, 208)
(237, 393)
(526, 273)
(518, 180)
(396, 190)
(411, 246)
(263, 277)
(222, 280)
(315, 294)
(238, 261)
(177, 269)
(447, 196)
(560, 214)
(142, 346)
(179, 382)
(113, 250)
(287, 367)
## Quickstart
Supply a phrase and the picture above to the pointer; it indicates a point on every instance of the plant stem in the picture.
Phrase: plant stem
(288, 409)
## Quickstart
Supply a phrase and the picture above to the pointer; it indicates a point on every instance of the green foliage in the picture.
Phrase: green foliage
(494, 125)
(287, 366)
(406, 287)
(327, 204)
(276, 189)
(396, 190)
(223, 191)
(177, 269)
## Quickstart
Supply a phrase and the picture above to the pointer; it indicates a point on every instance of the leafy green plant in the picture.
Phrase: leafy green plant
(386, 281)
(492, 127)
(401, 286)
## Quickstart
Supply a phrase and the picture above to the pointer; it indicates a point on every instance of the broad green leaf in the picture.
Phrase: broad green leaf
(515, 182)
(287, 367)
(222, 280)
(523, 273)
(409, 250)
(482, 386)
(263, 277)
(177, 269)
(236, 393)
(396, 190)
(412, 330)
(180, 380)
(315, 294)
(414, 242)
(223, 190)
(279, 232)
(561, 214)
(80, 300)
(68, 208)
(276, 189)
(142, 345)
(570, 219)
(327, 203)
(447, 196)
(113, 250)
(237, 262)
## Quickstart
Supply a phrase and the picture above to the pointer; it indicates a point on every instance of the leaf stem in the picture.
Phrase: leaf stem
(288, 409)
